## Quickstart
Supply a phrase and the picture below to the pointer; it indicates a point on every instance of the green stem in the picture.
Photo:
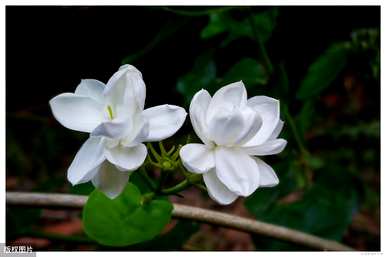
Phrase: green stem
(260, 43)
(149, 181)
(154, 152)
(192, 180)
(295, 131)
(176, 188)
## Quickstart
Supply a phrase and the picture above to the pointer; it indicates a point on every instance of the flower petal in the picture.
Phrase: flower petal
(88, 158)
(228, 97)
(217, 190)
(76, 112)
(164, 121)
(138, 133)
(236, 170)
(234, 128)
(92, 88)
(113, 129)
(197, 110)
(268, 176)
(268, 148)
(110, 180)
(269, 110)
(127, 158)
(197, 158)
(126, 91)
(277, 130)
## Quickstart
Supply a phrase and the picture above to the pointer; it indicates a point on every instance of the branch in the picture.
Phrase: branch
(187, 212)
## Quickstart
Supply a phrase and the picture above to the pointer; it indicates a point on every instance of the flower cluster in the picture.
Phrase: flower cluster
(233, 129)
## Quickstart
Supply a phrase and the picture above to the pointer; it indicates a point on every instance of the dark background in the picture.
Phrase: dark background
(50, 49)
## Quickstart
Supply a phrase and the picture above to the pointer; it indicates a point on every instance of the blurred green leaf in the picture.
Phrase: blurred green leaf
(323, 71)
(305, 117)
(326, 209)
(125, 220)
(262, 200)
(249, 71)
(203, 75)
(258, 25)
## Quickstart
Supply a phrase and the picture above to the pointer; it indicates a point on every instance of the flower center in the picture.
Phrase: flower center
(110, 112)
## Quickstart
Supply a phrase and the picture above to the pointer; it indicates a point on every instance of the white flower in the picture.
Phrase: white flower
(233, 130)
(114, 115)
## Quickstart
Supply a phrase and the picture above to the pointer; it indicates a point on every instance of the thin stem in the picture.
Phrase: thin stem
(176, 188)
(51, 200)
(149, 181)
(295, 131)
(154, 152)
(162, 148)
(189, 181)
(260, 43)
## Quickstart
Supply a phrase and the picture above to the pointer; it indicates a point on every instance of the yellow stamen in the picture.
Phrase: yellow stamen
(110, 111)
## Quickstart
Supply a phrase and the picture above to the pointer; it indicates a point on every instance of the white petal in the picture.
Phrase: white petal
(197, 158)
(138, 133)
(88, 158)
(92, 88)
(127, 158)
(164, 121)
(110, 180)
(268, 148)
(277, 130)
(113, 129)
(269, 110)
(235, 127)
(236, 170)
(76, 112)
(217, 190)
(126, 91)
(197, 110)
(228, 97)
(268, 176)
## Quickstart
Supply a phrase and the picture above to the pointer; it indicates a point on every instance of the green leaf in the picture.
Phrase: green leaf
(325, 210)
(249, 71)
(258, 25)
(125, 220)
(265, 23)
(203, 75)
(305, 118)
(323, 71)
(218, 23)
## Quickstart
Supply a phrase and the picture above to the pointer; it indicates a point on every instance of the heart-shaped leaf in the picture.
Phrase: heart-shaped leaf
(125, 220)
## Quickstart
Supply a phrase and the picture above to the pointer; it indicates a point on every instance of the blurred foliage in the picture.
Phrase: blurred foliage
(318, 192)
(330, 169)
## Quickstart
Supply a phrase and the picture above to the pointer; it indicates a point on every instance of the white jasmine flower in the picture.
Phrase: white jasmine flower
(233, 130)
(114, 115)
